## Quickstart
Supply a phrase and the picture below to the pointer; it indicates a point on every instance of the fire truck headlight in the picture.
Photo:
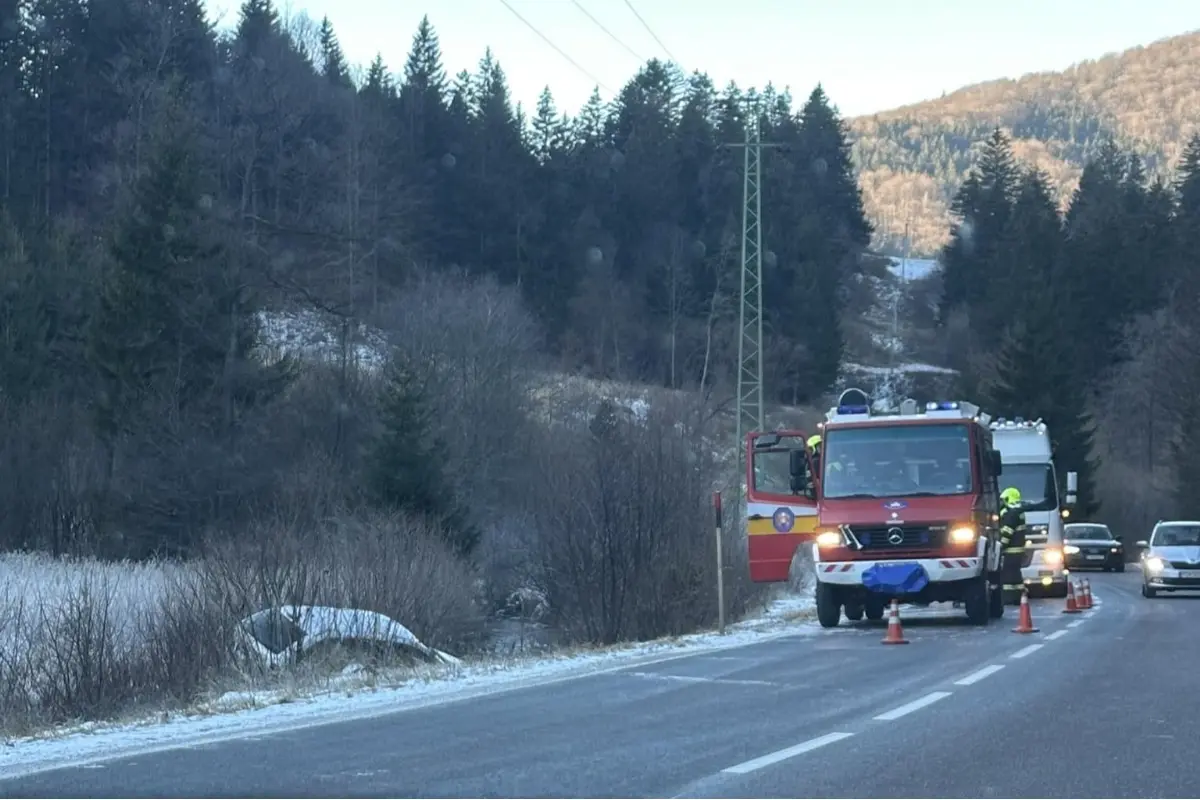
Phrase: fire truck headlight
(1052, 557)
(829, 539)
(962, 534)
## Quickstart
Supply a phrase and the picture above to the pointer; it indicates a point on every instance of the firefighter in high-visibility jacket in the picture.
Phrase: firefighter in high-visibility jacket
(1012, 543)
(814, 446)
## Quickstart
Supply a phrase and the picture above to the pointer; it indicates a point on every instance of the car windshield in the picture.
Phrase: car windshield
(1176, 536)
(1035, 482)
(897, 461)
(772, 467)
(1095, 532)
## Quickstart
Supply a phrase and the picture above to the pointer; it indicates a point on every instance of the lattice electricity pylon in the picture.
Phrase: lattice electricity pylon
(750, 408)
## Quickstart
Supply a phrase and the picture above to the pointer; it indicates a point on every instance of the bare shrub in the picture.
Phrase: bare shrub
(623, 538)
(475, 346)
(96, 640)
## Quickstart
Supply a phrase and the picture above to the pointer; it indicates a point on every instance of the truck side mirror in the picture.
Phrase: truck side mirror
(799, 471)
(997, 463)
(1072, 488)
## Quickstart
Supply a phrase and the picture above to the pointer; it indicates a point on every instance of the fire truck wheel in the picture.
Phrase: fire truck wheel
(829, 610)
(996, 602)
(975, 598)
(874, 609)
(854, 611)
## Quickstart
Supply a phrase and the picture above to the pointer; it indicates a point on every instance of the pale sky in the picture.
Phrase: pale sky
(871, 55)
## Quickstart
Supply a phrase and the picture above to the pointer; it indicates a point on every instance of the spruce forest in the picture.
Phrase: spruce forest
(165, 190)
(1085, 319)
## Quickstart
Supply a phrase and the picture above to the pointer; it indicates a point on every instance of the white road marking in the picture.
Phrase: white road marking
(788, 752)
(1024, 651)
(1076, 623)
(976, 677)
(915, 705)
(697, 679)
(1056, 635)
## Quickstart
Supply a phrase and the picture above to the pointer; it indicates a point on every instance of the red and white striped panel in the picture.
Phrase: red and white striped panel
(964, 563)
(838, 567)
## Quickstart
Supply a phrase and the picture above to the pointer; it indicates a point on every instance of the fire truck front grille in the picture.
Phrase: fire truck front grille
(898, 537)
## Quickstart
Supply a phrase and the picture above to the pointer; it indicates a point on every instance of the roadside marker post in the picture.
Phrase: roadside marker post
(720, 566)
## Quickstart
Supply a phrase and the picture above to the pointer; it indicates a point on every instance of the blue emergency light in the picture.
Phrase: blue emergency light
(847, 410)
(944, 406)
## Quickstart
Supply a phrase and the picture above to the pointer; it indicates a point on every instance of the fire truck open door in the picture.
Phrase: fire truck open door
(781, 502)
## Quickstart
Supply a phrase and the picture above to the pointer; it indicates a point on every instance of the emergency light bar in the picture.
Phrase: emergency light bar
(849, 411)
(854, 404)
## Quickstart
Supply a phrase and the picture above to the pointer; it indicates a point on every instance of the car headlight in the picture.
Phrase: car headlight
(962, 534)
(829, 539)
(1070, 549)
(1156, 564)
(1052, 557)
(1116, 550)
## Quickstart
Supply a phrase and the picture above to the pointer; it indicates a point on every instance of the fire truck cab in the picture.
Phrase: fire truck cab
(908, 508)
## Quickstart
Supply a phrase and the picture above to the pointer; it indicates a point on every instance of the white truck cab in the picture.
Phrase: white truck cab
(1027, 460)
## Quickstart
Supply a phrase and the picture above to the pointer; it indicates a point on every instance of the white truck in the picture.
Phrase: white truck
(1028, 464)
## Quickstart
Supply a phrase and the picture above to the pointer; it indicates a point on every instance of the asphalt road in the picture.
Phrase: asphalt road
(1095, 705)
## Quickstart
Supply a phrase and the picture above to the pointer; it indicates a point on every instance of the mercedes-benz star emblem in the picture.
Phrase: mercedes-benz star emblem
(895, 535)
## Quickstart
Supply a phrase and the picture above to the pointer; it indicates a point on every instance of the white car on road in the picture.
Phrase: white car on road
(1171, 558)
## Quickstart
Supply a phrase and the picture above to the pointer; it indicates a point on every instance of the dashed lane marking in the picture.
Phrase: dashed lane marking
(915, 705)
(1024, 651)
(1056, 635)
(783, 755)
(1076, 623)
(977, 676)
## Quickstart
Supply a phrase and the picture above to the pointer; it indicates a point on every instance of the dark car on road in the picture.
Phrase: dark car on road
(1092, 545)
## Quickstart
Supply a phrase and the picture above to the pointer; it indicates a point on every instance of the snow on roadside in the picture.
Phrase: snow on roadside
(356, 695)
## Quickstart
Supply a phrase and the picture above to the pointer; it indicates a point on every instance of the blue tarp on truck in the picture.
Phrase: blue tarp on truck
(895, 579)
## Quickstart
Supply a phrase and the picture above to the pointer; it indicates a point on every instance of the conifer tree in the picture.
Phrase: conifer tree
(405, 463)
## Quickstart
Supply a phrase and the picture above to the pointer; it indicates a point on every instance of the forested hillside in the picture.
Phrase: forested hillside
(163, 188)
(913, 159)
(1085, 319)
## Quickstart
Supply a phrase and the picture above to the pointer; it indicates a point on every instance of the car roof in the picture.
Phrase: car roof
(1164, 523)
(1082, 524)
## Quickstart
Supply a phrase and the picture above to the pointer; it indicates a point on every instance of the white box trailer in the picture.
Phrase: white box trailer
(1027, 459)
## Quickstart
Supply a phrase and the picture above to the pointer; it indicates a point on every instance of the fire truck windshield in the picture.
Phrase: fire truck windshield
(897, 461)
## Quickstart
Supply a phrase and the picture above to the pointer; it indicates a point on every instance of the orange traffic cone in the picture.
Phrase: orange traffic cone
(1087, 593)
(1072, 606)
(1025, 620)
(895, 634)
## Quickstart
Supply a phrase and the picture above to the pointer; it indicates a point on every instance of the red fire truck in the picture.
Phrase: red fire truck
(906, 507)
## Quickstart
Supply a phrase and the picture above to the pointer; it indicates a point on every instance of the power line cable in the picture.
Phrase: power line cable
(611, 35)
(557, 49)
(650, 31)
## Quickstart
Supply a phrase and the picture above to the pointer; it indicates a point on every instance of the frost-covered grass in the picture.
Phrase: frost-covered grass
(76, 633)
(357, 691)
